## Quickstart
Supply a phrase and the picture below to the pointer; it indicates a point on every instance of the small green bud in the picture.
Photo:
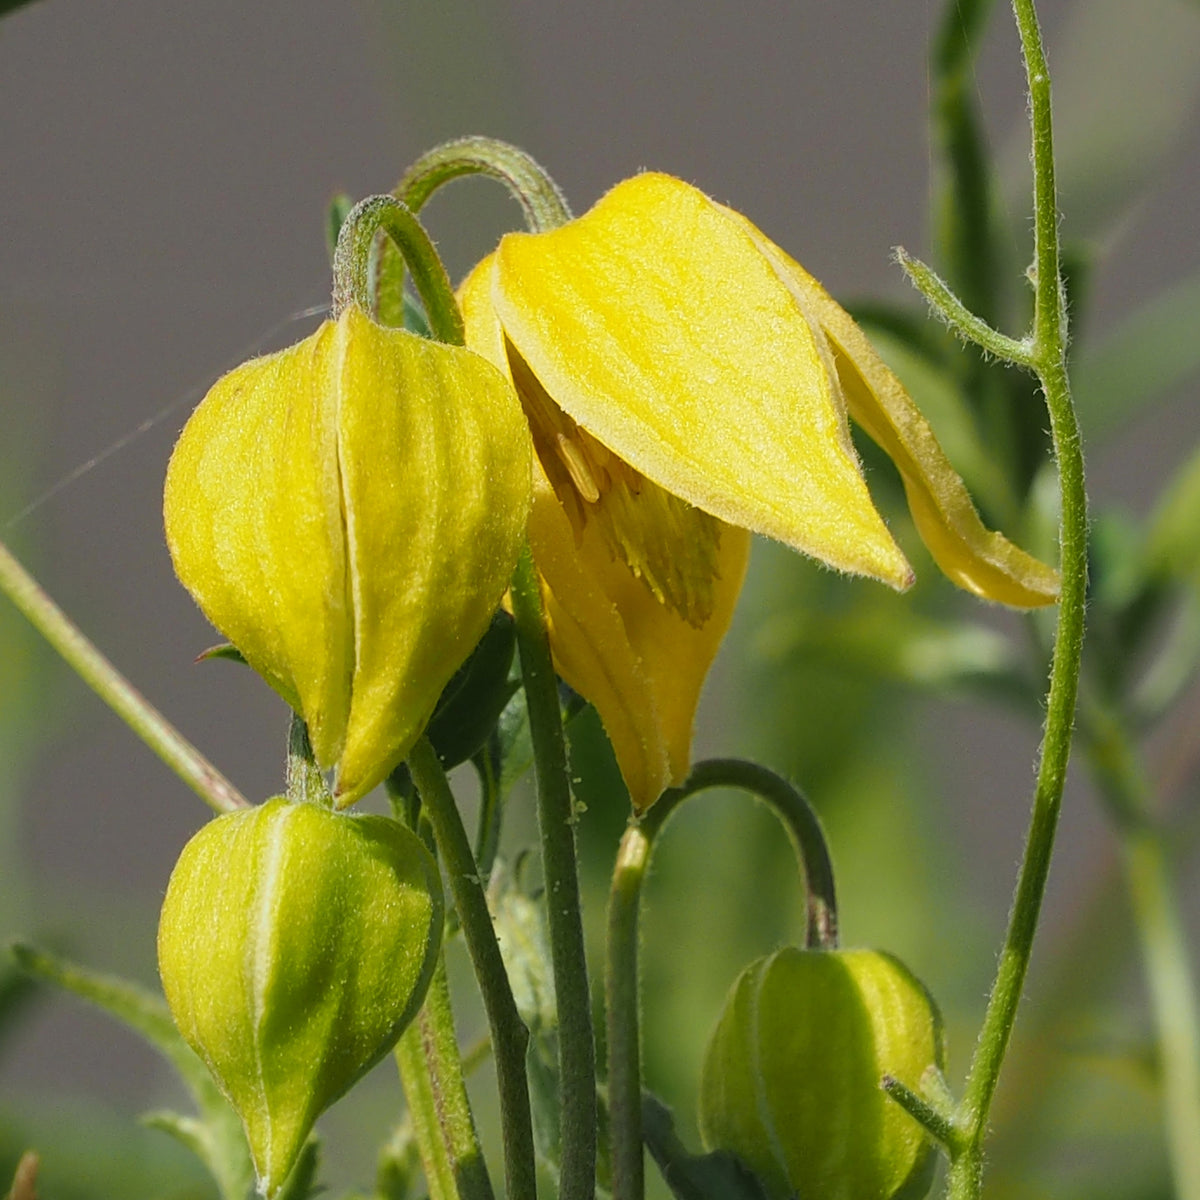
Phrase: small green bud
(791, 1078)
(295, 946)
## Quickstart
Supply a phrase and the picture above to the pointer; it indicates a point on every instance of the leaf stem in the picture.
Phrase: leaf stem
(556, 823)
(431, 1070)
(114, 689)
(621, 975)
(959, 317)
(1048, 359)
(510, 1038)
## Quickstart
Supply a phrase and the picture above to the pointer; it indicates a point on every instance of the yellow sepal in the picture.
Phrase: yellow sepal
(348, 512)
(974, 557)
(655, 323)
(252, 511)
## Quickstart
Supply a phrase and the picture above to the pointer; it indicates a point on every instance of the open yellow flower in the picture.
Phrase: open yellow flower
(687, 383)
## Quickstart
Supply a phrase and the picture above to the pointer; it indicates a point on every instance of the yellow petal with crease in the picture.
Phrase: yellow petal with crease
(973, 556)
(637, 660)
(655, 322)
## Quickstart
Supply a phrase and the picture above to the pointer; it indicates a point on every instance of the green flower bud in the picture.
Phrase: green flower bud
(295, 946)
(348, 513)
(791, 1078)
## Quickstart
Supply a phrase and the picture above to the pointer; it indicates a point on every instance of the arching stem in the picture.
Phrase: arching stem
(621, 976)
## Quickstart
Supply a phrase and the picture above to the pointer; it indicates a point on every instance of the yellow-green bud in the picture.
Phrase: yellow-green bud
(348, 513)
(295, 945)
(791, 1078)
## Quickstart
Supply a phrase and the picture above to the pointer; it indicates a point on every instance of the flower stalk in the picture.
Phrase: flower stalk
(621, 974)
(509, 1035)
(556, 821)
(431, 1070)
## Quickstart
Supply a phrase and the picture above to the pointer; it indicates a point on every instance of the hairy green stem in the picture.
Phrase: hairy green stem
(510, 1038)
(1049, 345)
(556, 823)
(352, 264)
(114, 689)
(621, 974)
(543, 204)
(960, 318)
(431, 1070)
(1119, 775)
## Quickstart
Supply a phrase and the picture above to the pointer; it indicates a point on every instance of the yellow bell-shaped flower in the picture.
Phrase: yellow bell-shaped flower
(348, 513)
(687, 383)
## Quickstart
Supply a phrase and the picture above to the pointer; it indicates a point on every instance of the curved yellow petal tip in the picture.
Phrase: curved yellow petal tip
(977, 559)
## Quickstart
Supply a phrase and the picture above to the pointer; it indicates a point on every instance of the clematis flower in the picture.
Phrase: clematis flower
(686, 383)
(348, 513)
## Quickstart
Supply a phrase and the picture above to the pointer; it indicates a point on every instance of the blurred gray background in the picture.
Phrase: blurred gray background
(164, 174)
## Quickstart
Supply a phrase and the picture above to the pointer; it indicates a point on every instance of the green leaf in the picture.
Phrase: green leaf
(222, 1147)
(1153, 352)
(1126, 82)
(716, 1176)
(965, 219)
(302, 1182)
(11, 6)
(225, 650)
(24, 1184)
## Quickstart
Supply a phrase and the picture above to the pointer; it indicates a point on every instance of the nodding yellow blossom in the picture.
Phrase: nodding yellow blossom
(686, 383)
(348, 512)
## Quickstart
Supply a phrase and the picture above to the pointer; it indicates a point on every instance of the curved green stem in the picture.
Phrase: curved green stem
(431, 1070)
(621, 975)
(510, 1038)
(352, 264)
(556, 823)
(543, 204)
(114, 689)
(1049, 345)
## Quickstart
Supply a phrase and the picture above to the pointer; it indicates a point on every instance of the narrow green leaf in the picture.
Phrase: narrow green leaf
(141, 1010)
(11, 6)
(1126, 84)
(222, 1148)
(301, 1184)
(963, 209)
(1153, 352)
(224, 650)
